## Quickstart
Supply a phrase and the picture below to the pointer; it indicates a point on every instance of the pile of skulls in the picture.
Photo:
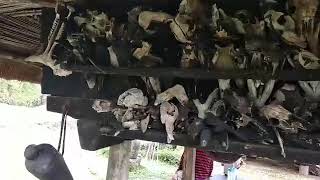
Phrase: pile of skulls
(133, 112)
(208, 37)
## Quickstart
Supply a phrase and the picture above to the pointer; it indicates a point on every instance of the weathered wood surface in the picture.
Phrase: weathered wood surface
(189, 164)
(289, 75)
(16, 69)
(81, 108)
(118, 164)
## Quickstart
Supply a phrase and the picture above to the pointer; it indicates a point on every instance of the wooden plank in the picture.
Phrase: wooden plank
(118, 164)
(289, 75)
(189, 161)
(19, 70)
(81, 108)
(249, 149)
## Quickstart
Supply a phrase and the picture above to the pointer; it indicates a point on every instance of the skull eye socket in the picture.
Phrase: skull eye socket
(281, 20)
(274, 122)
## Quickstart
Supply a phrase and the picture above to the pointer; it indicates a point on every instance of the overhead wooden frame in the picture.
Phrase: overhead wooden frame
(288, 75)
(82, 108)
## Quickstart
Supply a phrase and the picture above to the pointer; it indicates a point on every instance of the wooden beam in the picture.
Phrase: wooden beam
(189, 161)
(118, 164)
(19, 70)
(289, 75)
(81, 108)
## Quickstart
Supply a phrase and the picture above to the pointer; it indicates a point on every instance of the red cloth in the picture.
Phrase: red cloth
(203, 166)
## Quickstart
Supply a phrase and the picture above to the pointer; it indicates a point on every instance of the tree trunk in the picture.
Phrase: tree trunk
(118, 164)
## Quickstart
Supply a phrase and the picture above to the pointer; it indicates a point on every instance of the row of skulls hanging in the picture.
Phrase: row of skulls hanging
(133, 112)
(171, 107)
(278, 38)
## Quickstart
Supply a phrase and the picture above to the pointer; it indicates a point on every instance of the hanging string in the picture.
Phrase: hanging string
(63, 130)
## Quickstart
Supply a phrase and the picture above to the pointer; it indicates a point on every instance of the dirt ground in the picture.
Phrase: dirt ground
(20, 126)
(266, 170)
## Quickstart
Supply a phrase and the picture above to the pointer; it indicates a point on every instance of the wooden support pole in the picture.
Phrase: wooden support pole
(289, 75)
(118, 164)
(304, 170)
(189, 163)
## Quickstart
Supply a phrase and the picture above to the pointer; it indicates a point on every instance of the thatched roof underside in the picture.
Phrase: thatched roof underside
(19, 38)
(19, 27)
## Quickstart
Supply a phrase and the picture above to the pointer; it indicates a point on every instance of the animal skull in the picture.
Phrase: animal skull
(176, 91)
(132, 98)
(182, 31)
(307, 60)
(259, 100)
(189, 58)
(281, 118)
(278, 21)
(96, 25)
(169, 113)
(204, 108)
(224, 59)
(139, 53)
(311, 88)
(304, 12)
(147, 17)
(215, 16)
(102, 106)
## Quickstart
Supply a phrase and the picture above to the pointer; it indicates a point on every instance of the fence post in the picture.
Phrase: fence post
(118, 163)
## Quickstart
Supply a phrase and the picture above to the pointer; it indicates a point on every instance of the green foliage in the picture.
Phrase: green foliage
(169, 156)
(20, 93)
(137, 170)
(104, 152)
(152, 170)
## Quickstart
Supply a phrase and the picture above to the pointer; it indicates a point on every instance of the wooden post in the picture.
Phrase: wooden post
(304, 170)
(118, 164)
(189, 161)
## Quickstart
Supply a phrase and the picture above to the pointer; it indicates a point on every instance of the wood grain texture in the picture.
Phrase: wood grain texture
(19, 70)
(189, 164)
(118, 164)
